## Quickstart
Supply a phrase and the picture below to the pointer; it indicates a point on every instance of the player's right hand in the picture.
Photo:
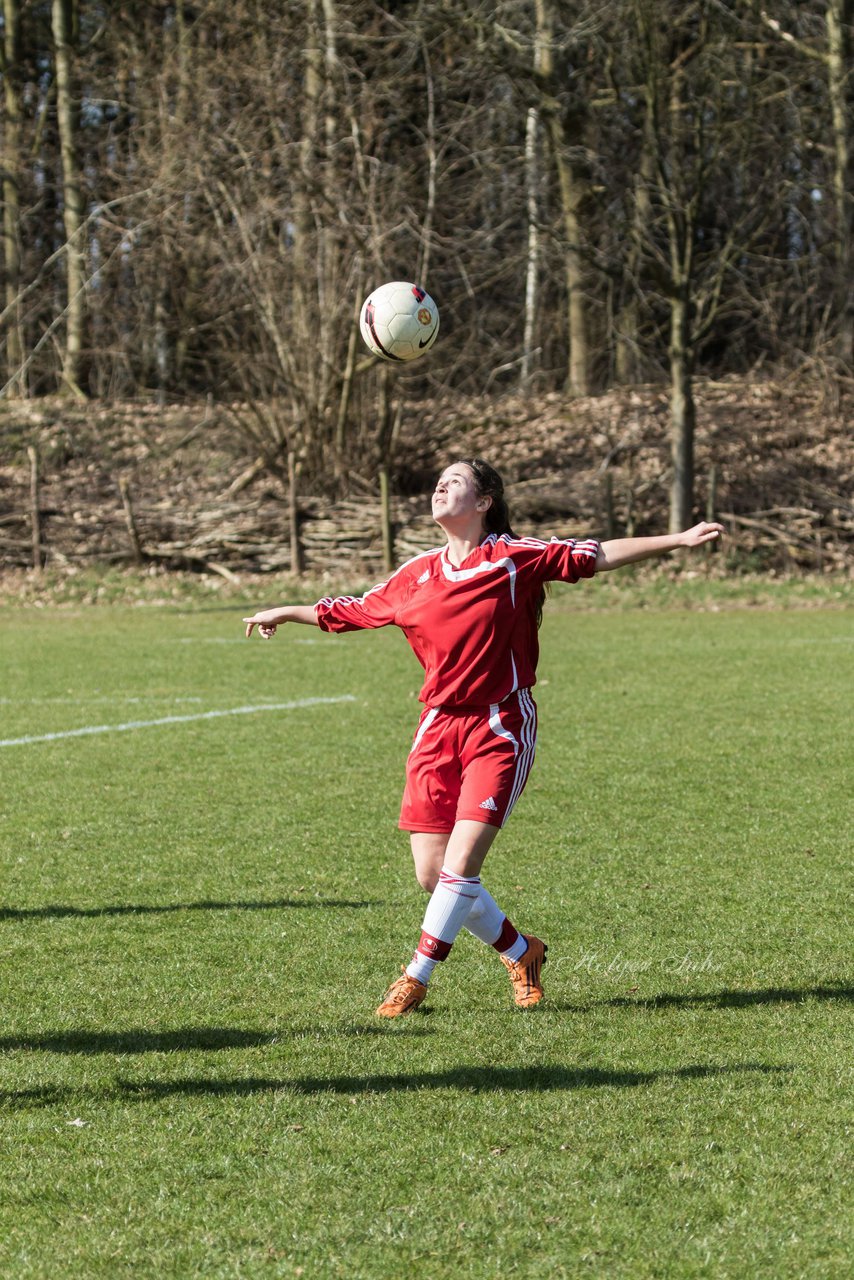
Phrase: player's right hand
(265, 629)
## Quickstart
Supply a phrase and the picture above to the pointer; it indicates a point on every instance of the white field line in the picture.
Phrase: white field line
(88, 730)
(110, 698)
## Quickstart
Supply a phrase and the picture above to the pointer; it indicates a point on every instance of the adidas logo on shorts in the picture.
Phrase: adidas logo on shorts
(489, 804)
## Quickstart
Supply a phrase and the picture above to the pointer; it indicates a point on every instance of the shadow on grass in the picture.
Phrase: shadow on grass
(179, 1040)
(57, 911)
(183, 1039)
(467, 1079)
(713, 999)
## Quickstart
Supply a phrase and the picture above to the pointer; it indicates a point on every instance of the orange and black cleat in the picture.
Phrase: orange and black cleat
(525, 973)
(403, 996)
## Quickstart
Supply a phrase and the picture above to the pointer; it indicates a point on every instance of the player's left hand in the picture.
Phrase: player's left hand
(705, 531)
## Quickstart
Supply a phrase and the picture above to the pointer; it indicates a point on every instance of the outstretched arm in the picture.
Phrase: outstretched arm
(266, 620)
(619, 551)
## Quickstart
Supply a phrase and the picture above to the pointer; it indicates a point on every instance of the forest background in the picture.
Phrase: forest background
(636, 217)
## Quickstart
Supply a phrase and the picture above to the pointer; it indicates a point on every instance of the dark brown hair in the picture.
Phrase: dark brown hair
(489, 484)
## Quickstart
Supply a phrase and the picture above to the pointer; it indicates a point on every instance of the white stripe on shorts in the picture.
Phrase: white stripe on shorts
(498, 728)
(525, 757)
(424, 726)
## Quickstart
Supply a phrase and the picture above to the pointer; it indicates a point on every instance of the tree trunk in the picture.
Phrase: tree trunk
(11, 163)
(628, 366)
(840, 46)
(432, 165)
(574, 188)
(347, 378)
(35, 508)
(572, 195)
(682, 413)
(293, 516)
(385, 517)
(308, 245)
(532, 263)
(63, 20)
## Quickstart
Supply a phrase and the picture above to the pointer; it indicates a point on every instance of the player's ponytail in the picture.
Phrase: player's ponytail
(489, 484)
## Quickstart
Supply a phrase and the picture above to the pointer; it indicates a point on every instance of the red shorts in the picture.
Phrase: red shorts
(469, 764)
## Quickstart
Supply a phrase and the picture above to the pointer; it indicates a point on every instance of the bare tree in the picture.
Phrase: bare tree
(836, 56)
(840, 75)
(210, 190)
(627, 339)
(533, 247)
(63, 25)
(699, 130)
(11, 162)
(565, 116)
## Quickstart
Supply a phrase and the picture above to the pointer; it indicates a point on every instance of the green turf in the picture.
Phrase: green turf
(198, 920)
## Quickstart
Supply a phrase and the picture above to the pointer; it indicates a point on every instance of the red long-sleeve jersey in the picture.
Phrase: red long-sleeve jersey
(473, 627)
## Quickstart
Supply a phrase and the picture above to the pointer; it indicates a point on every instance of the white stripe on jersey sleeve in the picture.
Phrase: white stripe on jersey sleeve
(581, 546)
(434, 551)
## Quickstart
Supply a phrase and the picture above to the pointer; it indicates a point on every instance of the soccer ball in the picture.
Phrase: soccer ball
(399, 321)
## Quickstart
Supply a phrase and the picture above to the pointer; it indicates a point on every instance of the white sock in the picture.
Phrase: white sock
(420, 967)
(485, 918)
(517, 950)
(449, 905)
(488, 922)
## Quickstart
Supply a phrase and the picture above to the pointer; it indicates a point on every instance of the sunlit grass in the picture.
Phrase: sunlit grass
(199, 918)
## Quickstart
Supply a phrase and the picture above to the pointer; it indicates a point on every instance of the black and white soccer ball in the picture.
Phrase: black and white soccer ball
(399, 321)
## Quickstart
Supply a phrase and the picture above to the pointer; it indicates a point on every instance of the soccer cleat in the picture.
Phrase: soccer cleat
(525, 973)
(403, 996)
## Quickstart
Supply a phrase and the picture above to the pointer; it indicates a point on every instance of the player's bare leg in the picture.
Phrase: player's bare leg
(428, 854)
(468, 845)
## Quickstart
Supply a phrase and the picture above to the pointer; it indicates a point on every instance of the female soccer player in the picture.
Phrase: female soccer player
(471, 610)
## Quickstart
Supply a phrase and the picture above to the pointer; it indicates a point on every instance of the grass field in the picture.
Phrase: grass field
(199, 916)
